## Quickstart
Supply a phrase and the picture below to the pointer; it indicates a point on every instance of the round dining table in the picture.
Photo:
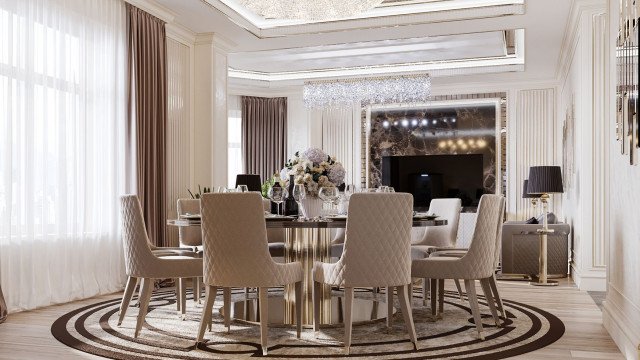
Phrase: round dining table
(307, 242)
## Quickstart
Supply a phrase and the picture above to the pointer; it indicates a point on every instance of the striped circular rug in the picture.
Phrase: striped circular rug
(165, 335)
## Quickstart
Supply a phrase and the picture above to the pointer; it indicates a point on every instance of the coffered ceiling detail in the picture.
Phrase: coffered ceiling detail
(389, 13)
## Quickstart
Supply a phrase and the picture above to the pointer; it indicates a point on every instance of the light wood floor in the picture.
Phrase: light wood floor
(27, 335)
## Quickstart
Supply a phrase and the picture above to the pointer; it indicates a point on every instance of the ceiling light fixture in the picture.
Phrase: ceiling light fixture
(311, 10)
(367, 91)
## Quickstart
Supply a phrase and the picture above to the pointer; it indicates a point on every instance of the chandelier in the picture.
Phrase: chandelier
(367, 91)
(312, 10)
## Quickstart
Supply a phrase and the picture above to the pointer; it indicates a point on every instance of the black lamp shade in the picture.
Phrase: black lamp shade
(525, 193)
(252, 181)
(545, 180)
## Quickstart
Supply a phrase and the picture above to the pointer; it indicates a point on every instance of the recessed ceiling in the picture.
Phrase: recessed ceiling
(389, 13)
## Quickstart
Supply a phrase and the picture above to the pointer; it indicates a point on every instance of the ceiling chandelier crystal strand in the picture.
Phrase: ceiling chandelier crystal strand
(313, 10)
(369, 91)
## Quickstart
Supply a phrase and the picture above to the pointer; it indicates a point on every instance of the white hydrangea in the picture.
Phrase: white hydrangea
(315, 155)
(336, 173)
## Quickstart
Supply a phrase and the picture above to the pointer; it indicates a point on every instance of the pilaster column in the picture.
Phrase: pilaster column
(210, 109)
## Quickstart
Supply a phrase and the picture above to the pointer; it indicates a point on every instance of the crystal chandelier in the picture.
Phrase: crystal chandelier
(312, 10)
(367, 91)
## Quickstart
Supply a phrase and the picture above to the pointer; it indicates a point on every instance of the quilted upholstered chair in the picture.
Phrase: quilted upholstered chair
(376, 254)
(477, 264)
(435, 237)
(236, 255)
(140, 261)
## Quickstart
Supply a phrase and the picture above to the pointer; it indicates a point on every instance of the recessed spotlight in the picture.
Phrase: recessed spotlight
(434, 122)
(453, 120)
(414, 122)
(424, 122)
(385, 124)
(405, 122)
(395, 123)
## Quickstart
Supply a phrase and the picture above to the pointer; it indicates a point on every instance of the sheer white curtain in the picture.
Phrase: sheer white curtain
(62, 112)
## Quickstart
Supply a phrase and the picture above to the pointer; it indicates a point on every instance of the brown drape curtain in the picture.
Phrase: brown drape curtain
(147, 79)
(3, 307)
(264, 135)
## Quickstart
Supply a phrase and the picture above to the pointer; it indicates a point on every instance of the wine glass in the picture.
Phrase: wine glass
(328, 196)
(299, 193)
(349, 190)
(242, 188)
(221, 189)
(277, 194)
(391, 189)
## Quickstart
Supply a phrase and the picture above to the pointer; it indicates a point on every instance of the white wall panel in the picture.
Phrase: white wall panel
(341, 136)
(178, 129)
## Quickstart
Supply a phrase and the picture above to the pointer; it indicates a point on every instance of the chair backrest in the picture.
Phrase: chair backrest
(377, 248)
(480, 259)
(446, 235)
(234, 240)
(189, 236)
(251, 180)
(135, 239)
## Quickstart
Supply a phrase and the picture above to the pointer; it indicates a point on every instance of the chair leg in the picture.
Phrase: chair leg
(473, 302)
(264, 318)
(425, 290)
(440, 298)
(227, 308)
(389, 307)
(298, 290)
(145, 296)
(178, 292)
(408, 315)
(493, 282)
(486, 289)
(459, 289)
(196, 290)
(205, 321)
(348, 320)
(410, 294)
(126, 297)
(317, 289)
(183, 297)
(434, 297)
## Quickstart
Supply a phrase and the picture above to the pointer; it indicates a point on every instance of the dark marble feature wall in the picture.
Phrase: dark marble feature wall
(457, 130)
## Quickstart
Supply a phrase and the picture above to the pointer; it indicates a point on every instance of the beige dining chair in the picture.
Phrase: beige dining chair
(141, 263)
(236, 254)
(438, 237)
(376, 254)
(477, 264)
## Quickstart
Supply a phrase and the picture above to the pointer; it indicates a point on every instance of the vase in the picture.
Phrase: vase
(312, 206)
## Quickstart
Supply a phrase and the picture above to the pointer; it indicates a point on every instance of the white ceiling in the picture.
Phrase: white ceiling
(390, 41)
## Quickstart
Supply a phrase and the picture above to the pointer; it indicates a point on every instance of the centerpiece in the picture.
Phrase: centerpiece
(314, 169)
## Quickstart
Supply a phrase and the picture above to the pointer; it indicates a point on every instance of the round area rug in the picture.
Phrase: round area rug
(93, 329)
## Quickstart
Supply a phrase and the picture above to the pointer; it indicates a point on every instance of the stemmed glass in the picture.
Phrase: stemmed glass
(328, 195)
(299, 193)
(349, 190)
(242, 188)
(277, 194)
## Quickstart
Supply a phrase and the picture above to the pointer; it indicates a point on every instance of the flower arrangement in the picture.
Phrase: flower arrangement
(315, 169)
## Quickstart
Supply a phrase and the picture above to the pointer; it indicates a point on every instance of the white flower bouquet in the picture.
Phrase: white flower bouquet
(315, 169)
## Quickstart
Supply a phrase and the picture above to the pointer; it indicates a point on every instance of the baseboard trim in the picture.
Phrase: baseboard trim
(621, 321)
(590, 280)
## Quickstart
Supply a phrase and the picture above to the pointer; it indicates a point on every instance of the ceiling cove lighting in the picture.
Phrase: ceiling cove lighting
(311, 10)
(367, 91)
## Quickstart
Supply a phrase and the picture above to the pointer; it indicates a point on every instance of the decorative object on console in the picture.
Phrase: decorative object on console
(201, 191)
(544, 180)
(309, 10)
(368, 91)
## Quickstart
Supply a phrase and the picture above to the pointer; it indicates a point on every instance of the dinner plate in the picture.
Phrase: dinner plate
(337, 217)
(190, 216)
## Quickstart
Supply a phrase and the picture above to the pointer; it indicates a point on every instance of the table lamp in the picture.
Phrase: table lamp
(534, 197)
(544, 180)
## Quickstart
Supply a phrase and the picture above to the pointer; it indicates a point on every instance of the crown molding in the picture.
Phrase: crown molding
(216, 40)
(154, 9)
(180, 33)
(572, 32)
